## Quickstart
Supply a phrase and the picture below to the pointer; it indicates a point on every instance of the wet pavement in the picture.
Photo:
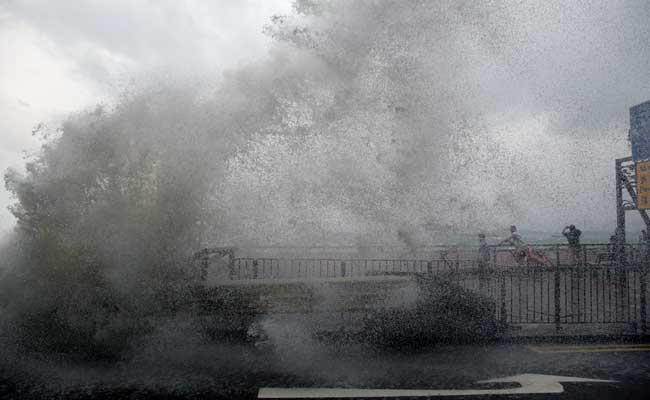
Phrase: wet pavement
(460, 367)
(445, 370)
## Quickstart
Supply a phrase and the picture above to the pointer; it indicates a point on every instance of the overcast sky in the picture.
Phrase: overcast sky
(57, 57)
(558, 73)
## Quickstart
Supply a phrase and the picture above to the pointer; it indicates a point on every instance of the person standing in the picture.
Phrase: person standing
(483, 262)
(572, 235)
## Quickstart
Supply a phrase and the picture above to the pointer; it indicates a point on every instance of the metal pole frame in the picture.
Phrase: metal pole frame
(625, 179)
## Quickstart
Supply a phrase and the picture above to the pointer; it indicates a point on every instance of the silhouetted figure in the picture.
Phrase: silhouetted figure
(524, 252)
(572, 235)
(483, 252)
(611, 246)
(521, 249)
(483, 261)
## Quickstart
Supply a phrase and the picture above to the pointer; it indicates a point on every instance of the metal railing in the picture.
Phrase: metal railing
(592, 284)
(584, 255)
(458, 259)
(565, 295)
(272, 268)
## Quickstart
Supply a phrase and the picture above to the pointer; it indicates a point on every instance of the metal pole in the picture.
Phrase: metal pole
(643, 300)
(503, 296)
(556, 289)
(621, 257)
(620, 214)
(643, 287)
(231, 265)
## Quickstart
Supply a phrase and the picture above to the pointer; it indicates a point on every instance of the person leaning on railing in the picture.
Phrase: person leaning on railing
(515, 240)
(524, 252)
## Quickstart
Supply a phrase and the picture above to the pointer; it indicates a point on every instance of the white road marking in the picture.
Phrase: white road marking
(590, 348)
(530, 384)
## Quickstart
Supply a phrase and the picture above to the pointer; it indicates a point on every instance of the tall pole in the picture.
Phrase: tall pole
(620, 232)
(620, 214)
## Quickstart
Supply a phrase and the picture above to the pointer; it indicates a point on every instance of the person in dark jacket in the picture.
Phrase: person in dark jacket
(484, 257)
(572, 235)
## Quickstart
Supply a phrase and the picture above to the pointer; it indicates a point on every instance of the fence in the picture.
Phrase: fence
(454, 260)
(565, 295)
(270, 268)
(592, 284)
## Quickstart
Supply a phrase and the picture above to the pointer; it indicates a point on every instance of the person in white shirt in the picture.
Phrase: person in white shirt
(515, 240)
(523, 251)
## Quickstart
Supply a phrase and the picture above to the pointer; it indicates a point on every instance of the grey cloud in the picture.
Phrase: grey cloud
(584, 62)
(190, 35)
(449, 67)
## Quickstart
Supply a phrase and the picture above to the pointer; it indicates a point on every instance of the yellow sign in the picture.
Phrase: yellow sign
(643, 184)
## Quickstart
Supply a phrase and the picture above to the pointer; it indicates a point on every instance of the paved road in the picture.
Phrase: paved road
(441, 369)
(460, 367)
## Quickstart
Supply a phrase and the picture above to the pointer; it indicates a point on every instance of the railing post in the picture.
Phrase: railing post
(622, 280)
(231, 265)
(503, 297)
(643, 287)
(556, 288)
(205, 264)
